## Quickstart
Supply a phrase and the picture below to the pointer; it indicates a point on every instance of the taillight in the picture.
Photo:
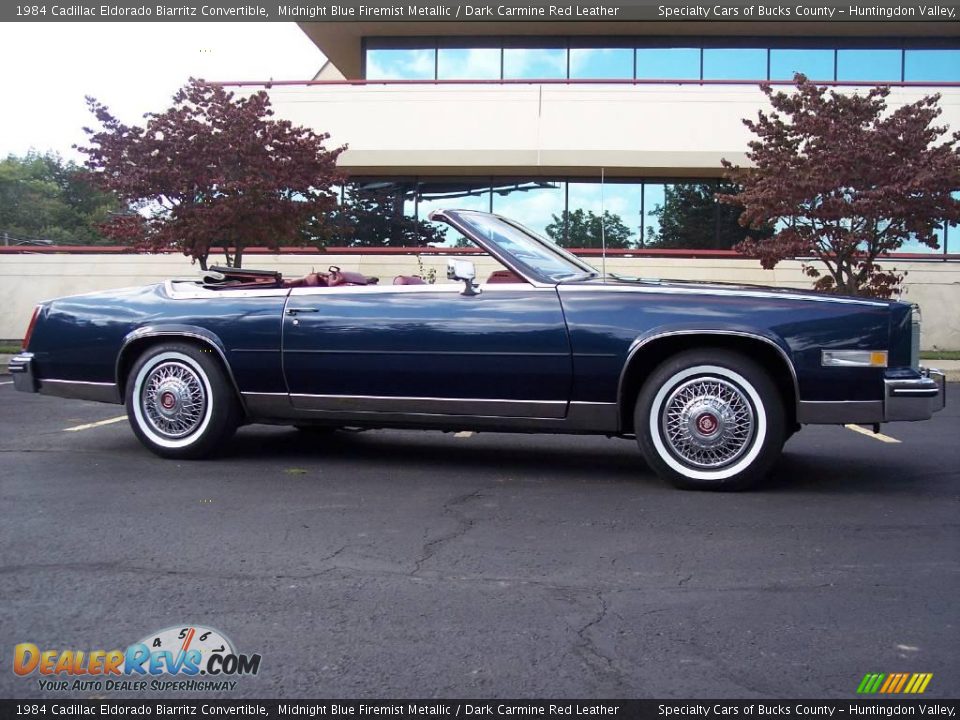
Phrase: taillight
(33, 322)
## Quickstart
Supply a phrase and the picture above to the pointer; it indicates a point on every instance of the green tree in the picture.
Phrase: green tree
(44, 197)
(692, 218)
(846, 180)
(586, 229)
(212, 170)
(373, 217)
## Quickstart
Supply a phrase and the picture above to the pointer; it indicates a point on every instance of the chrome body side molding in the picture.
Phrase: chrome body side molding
(81, 390)
(437, 413)
(431, 406)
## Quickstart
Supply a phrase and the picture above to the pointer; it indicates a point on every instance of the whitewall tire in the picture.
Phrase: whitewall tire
(710, 420)
(179, 402)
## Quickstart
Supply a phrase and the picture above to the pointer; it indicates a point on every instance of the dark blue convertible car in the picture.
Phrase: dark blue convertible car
(710, 378)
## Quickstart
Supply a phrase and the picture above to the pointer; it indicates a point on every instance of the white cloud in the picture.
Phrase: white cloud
(131, 67)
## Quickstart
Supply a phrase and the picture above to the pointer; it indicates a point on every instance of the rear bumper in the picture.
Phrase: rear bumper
(21, 368)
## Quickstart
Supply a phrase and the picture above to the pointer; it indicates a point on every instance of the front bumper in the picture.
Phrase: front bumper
(21, 368)
(908, 394)
(916, 398)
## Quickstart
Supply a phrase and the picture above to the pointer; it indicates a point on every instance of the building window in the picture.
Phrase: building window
(467, 194)
(815, 64)
(534, 63)
(734, 64)
(401, 64)
(532, 203)
(468, 63)
(668, 63)
(601, 63)
(869, 65)
(932, 65)
(601, 214)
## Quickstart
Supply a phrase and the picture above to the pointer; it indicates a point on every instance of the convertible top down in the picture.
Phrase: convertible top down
(710, 378)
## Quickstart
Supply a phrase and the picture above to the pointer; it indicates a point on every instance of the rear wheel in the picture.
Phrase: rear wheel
(710, 420)
(179, 401)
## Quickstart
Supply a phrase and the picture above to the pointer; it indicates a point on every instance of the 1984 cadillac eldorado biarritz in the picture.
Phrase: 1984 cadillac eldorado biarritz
(710, 378)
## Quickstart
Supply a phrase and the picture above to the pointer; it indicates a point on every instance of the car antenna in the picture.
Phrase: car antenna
(603, 229)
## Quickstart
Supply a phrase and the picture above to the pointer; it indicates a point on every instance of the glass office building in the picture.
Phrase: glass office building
(555, 130)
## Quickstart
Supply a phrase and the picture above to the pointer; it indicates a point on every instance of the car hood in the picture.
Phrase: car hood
(621, 282)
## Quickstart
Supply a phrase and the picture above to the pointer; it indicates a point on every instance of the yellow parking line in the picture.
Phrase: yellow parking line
(87, 426)
(463, 434)
(869, 433)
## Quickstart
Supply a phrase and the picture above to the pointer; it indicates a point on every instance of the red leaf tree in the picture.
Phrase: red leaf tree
(213, 170)
(841, 179)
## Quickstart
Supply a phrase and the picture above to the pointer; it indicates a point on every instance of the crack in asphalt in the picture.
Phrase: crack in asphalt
(588, 646)
(671, 587)
(464, 524)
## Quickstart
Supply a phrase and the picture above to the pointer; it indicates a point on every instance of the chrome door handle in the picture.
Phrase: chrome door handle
(296, 311)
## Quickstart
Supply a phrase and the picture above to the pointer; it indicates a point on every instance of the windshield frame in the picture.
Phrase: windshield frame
(578, 269)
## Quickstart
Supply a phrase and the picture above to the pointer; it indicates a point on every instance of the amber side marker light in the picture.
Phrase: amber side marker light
(33, 322)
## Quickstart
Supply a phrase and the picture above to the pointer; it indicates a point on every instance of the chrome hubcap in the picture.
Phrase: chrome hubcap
(707, 422)
(173, 399)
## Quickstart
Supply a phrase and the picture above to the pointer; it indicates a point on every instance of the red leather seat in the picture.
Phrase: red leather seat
(408, 280)
(504, 276)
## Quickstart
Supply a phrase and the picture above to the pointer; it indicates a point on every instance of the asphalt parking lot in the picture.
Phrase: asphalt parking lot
(414, 564)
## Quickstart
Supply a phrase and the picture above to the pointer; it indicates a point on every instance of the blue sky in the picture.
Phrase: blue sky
(132, 67)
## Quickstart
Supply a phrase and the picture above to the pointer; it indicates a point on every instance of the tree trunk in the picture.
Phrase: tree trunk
(238, 257)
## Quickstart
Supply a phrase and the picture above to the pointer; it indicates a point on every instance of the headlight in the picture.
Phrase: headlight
(915, 321)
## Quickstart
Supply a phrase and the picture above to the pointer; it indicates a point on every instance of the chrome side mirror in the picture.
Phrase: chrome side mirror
(464, 271)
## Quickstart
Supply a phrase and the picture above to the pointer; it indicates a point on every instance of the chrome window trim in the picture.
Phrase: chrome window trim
(641, 342)
(667, 290)
(505, 259)
(452, 288)
(198, 292)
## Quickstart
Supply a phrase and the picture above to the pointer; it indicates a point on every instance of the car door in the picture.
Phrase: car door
(428, 349)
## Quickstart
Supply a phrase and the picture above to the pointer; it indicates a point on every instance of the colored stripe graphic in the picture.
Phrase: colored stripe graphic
(894, 683)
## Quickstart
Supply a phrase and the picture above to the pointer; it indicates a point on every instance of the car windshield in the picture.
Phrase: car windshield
(537, 255)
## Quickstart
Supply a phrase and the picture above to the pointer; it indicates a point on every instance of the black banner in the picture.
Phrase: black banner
(453, 11)
(633, 709)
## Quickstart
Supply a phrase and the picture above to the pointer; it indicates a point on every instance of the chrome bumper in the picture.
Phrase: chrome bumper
(914, 395)
(914, 398)
(21, 368)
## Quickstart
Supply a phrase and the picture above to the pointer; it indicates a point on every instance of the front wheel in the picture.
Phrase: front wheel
(179, 401)
(710, 420)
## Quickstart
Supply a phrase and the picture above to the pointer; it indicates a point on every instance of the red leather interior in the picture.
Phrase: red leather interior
(504, 276)
(334, 278)
(408, 280)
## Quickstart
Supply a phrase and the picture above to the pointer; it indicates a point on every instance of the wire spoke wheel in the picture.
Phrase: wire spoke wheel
(708, 422)
(173, 399)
